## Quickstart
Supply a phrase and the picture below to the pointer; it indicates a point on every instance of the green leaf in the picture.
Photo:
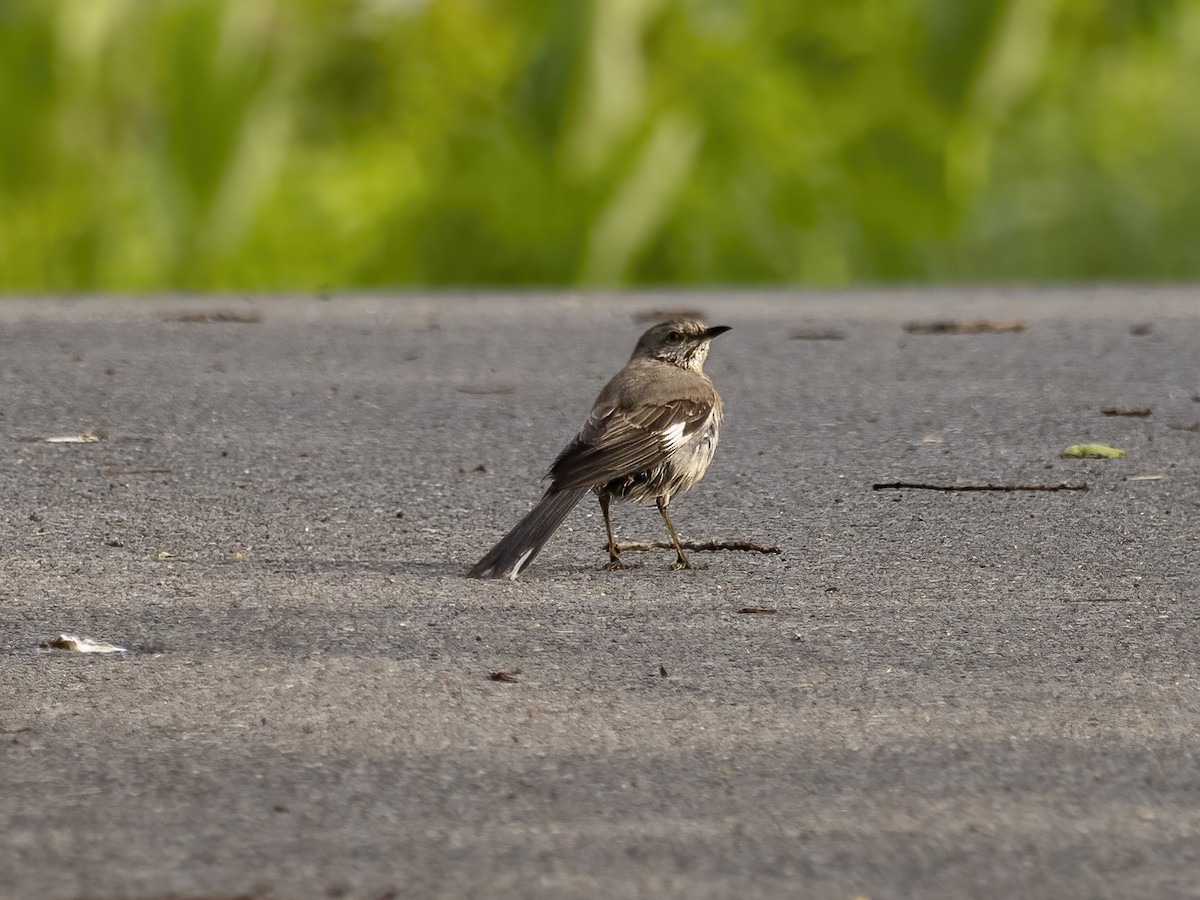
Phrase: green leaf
(1091, 451)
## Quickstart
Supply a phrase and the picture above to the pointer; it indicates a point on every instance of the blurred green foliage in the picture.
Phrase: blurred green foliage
(276, 144)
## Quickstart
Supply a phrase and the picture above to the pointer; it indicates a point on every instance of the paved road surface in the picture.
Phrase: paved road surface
(959, 694)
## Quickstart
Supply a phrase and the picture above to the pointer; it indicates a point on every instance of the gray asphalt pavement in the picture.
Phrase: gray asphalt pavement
(958, 694)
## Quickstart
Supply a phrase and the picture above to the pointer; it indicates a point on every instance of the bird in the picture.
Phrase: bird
(651, 434)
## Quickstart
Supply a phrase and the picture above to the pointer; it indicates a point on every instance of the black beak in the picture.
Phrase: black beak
(711, 333)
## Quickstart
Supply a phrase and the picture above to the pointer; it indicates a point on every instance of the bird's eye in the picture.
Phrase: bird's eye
(674, 337)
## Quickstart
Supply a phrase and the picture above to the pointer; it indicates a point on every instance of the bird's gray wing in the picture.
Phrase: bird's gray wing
(617, 442)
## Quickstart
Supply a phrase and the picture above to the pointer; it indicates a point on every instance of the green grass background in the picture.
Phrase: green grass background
(310, 144)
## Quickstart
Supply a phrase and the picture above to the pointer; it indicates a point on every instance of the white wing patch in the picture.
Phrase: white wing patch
(672, 436)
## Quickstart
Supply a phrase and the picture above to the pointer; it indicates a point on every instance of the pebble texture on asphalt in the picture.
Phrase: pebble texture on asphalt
(966, 694)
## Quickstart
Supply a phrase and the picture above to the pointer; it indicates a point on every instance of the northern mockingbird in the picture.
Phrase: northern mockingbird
(651, 434)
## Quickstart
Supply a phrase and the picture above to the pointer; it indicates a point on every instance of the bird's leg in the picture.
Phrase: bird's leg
(614, 557)
(681, 561)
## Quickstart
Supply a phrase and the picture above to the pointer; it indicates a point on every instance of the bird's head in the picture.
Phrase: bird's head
(682, 342)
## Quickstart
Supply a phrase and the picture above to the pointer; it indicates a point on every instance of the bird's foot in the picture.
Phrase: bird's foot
(615, 565)
(680, 564)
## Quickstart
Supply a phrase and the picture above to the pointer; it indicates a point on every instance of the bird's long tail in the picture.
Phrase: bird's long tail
(518, 548)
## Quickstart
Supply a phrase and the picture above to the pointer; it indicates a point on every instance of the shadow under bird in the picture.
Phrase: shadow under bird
(651, 433)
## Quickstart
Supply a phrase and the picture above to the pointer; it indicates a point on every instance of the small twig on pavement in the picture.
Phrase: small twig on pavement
(916, 486)
(949, 326)
(746, 546)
